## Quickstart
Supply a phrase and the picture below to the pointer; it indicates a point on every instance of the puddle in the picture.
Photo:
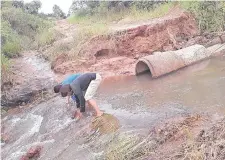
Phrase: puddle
(200, 87)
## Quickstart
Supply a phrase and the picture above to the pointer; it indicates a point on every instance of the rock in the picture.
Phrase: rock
(137, 56)
(25, 93)
(24, 158)
(32, 153)
(4, 138)
(217, 40)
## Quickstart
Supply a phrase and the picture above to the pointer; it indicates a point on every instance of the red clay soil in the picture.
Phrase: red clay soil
(117, 53)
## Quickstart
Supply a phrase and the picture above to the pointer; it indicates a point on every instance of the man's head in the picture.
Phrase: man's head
(65, 90)
(57, 88)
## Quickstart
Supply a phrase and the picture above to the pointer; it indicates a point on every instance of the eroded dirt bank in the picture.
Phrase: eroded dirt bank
(117, 53)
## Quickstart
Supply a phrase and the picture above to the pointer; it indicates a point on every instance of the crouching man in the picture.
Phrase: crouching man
(87, 83)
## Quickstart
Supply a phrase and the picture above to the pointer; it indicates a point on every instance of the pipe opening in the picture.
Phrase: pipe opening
(142, 67)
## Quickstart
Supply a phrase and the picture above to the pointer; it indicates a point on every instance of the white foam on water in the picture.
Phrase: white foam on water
(4, 119)
(59, 126)
(14, 121)
(37, 120)
(16, 155)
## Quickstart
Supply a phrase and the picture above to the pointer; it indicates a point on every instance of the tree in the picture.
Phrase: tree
(57, 12)
(76, 5)
(17, 4)
(33, 7)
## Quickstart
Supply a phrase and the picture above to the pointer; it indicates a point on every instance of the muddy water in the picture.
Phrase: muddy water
(137, 102)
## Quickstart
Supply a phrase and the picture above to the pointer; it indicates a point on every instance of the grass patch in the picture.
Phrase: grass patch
(210, 15)
(110, 16)
(22, 30)
(10, 42)
(159, 11)
(85, 33)
(89, 31)
(45, 37)
(127, 146)
(11, 49)
(5, 69)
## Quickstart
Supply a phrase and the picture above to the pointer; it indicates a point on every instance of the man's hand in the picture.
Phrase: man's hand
(77, 115)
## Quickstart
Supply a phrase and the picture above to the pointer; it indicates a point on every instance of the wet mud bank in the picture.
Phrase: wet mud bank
(31, 77)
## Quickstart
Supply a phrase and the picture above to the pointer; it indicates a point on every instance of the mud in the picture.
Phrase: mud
(31, 76)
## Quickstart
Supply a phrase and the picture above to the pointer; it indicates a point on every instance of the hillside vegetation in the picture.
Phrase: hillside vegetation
(21, 29)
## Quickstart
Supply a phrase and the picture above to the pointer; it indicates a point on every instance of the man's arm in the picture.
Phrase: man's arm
(77, 101)
(79, 96)
(81, 100)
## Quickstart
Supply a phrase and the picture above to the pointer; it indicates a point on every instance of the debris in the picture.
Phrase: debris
(105, 124)
(32, 153)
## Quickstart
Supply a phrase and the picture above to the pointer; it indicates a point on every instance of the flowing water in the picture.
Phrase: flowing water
(137, 102)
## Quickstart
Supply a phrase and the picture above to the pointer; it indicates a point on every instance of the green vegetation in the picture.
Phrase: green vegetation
(104, 15)
(57, 12)
(21, 28)
(45, 37)
(10, 40)
(210, 15)
(24, 24)
(5, 63)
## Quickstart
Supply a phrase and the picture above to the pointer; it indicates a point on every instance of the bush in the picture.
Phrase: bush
(11, 49)
(27, 27)
(103, 14)
(210, 15)
(45, 37)
(10, 42)
(5, 65)
(23, 23)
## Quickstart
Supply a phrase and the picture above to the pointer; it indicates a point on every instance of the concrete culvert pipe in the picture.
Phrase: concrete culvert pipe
(161, 63)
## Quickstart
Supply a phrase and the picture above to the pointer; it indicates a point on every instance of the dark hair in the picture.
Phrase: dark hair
(65, 89)
(64, 94)
(57, 88)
